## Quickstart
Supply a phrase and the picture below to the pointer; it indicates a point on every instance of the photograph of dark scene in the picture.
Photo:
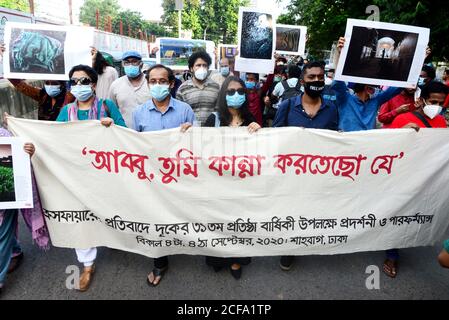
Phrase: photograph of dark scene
(7, 192)
(287, 39)
(37, 51)
(229, 53)
(380, 54)
(257, 36)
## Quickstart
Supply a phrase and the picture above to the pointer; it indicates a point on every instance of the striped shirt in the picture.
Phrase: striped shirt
(203, 100)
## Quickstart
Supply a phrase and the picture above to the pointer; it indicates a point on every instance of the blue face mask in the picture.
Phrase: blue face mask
(250, 85)
(52, 90)
(159, 91)
(225, 71)
(82, 93)
(421, 82)
(132, 71)
(236, 101)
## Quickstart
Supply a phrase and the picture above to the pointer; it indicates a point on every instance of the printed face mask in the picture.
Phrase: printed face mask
(314, 88)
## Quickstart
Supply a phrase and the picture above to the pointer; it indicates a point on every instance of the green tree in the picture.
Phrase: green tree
(106, 8)
(20, 5)
(220, 17)
(217, 19)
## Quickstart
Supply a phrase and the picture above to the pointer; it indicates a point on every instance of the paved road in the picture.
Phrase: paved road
(121, 275)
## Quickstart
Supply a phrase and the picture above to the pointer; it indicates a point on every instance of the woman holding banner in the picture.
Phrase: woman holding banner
(232, 112)
(83, 81)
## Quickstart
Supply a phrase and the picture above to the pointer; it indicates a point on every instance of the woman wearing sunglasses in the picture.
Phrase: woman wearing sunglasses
(83, 81)
(87, 106)
(232, 112)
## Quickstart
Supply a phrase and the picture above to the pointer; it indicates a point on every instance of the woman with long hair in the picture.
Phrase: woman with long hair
(232, 112)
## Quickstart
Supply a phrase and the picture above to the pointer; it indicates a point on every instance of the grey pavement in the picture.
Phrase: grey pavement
(121, 276)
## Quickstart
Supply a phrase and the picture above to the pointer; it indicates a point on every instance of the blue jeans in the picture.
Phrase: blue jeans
(8, 242)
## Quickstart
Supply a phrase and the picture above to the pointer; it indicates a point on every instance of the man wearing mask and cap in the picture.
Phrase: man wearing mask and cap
(201, 92)
(308, 110)
(131, 90)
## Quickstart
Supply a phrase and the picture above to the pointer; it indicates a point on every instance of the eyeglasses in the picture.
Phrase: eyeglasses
(83, 81)
(232, 92)
(162, 82)
(131, 63)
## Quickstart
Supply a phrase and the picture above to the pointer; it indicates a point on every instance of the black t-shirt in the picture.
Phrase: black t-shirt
(210, 122)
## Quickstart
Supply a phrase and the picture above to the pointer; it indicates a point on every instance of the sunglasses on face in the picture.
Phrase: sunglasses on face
(83, 81)
(232, 92)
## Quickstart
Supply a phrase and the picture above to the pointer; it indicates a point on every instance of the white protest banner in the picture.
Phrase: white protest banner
(15, 175)
(380, 53)
(224, 192)
(45, 52)
(291, 40)
(256, 41)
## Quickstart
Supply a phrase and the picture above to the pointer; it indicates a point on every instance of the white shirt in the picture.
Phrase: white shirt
(105, 81)
(127, 97)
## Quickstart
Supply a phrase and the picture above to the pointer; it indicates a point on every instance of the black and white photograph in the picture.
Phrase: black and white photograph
(374, 54)
(257, 39)
(45, 52)
(257, 36)
(290, 39)
(37, 51)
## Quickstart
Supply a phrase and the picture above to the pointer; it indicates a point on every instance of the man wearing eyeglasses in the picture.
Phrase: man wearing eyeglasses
(131, 90)
(159, 113)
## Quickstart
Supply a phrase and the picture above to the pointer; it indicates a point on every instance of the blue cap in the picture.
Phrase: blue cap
(131, 54)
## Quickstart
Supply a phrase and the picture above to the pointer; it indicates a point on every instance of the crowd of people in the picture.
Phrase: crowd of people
(299, 93)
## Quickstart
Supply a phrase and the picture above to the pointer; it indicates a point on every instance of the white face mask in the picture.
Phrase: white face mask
(201, 74)
(432, 110)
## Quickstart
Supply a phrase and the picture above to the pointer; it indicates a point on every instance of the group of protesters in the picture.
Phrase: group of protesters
(299, 93)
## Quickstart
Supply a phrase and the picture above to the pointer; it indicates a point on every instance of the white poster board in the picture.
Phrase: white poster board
(256, 41)
(15, 175)
(291, 40)
(380, 53)
(174, 52)
(45, 52)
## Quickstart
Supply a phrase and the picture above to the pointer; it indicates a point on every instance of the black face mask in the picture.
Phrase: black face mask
(314, 88)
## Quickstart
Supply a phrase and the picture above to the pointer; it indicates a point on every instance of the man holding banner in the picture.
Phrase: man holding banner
(160, 113)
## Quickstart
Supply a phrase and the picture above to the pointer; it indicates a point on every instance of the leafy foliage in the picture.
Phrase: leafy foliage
(20, 5)
(6, 180)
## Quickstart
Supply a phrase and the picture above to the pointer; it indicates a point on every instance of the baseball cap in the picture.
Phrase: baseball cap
(131, 54)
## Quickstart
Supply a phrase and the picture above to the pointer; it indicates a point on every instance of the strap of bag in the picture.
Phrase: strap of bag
(217, 119)
(288, 111)
(424, 120)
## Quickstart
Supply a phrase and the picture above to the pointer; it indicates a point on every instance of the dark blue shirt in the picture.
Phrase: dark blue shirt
(326, 118)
